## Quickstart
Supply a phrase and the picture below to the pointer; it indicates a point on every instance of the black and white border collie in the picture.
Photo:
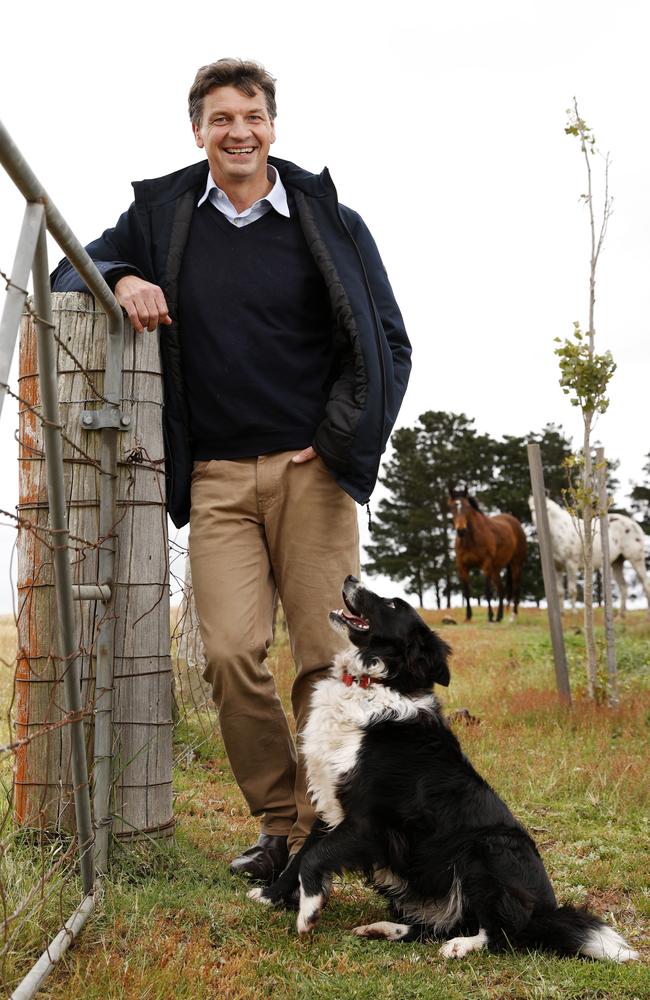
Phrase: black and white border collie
(398, 801)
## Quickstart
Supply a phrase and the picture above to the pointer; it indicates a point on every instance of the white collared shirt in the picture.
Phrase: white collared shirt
(276, 198)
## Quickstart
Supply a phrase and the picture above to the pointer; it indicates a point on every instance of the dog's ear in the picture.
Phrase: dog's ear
(427, 656)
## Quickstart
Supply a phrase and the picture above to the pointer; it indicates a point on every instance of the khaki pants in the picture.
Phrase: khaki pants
(261, 527)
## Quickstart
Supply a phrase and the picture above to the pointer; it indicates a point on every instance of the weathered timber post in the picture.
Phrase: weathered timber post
(139, 609)
(603, 504)
(548, 572)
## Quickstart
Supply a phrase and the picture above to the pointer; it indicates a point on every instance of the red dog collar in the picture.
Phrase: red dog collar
(364, 681)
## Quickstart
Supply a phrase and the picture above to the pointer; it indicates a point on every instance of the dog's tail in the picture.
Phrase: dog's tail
(569, 930)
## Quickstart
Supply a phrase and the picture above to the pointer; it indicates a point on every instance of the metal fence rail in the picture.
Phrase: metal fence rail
(92, 844)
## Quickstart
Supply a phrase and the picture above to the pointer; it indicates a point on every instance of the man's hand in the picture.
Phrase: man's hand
(144, 303)
(305, 455)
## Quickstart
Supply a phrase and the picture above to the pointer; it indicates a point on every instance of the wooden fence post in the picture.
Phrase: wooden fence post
(142, 800)
(601, 473)
(548, 572)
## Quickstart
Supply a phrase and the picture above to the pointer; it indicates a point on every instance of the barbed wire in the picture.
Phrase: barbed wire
(45, 730)
(48, 423)
(29, 308)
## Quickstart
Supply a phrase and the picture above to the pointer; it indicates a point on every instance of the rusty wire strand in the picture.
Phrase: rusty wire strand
(48, 423)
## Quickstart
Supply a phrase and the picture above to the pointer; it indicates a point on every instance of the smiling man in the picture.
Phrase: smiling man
(285, 361)
(236, 133)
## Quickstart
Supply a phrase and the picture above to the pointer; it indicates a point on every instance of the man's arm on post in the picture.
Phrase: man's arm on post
(121, 256)
(143, 302)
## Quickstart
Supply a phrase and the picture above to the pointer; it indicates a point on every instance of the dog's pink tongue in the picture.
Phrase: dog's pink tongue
(354, 618)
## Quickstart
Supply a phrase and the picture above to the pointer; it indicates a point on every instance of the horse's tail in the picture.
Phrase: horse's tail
(509, 583)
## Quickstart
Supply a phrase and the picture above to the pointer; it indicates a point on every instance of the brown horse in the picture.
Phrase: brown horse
(489, 544)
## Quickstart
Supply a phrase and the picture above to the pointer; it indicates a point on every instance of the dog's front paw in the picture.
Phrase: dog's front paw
(258, 895)
(455, 948)
(309, 913)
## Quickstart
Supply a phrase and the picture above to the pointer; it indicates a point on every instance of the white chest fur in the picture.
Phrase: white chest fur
(338, 718)
(330, 743)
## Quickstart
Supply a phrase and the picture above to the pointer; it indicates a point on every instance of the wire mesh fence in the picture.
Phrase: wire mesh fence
(194, 711)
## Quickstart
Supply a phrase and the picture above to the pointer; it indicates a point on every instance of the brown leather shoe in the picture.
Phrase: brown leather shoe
(262, 862)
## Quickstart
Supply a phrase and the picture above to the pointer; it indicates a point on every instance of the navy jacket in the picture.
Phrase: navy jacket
(369, 335)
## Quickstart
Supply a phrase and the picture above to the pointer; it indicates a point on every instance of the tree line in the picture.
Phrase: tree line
(412, 538)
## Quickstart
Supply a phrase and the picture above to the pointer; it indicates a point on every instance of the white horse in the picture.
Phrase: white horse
(626, 541)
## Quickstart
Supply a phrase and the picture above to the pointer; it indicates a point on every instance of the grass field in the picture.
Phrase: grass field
(172, 922)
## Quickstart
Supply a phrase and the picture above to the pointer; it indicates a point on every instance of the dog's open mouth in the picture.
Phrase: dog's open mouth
(349, 617)
(352, 621)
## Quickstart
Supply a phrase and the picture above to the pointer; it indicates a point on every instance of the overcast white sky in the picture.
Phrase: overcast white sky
(443, 125)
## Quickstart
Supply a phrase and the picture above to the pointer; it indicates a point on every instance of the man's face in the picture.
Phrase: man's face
(236, 133)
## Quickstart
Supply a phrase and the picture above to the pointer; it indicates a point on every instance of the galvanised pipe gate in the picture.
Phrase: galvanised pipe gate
(31, 256)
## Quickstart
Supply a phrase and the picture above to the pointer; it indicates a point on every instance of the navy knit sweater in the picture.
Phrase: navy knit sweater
(257, 336)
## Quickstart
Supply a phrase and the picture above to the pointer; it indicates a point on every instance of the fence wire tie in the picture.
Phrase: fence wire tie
(12, 284)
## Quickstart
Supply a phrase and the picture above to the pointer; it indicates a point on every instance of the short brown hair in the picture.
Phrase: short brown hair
(245, 75)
